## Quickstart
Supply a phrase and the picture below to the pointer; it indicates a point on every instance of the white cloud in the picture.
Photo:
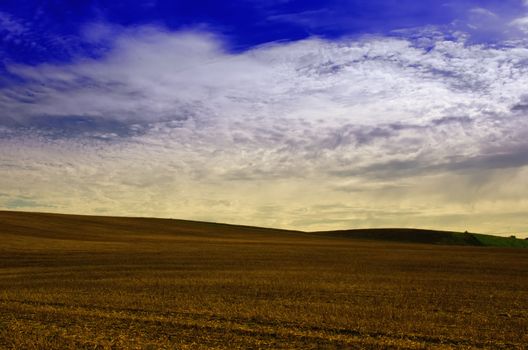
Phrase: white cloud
(152, 75)
(521, 23)
(480, 11)
(173, 124)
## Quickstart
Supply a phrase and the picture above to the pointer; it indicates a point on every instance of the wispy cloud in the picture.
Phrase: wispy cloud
(173, 124)
(10, 25)
(13, 31)
(24, 203)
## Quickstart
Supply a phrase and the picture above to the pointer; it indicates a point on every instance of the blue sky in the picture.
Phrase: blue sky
(298, 114)
(42, 31)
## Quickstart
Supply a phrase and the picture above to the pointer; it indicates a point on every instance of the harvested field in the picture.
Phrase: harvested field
(119, 283)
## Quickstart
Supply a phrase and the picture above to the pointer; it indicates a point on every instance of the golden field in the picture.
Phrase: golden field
(81, 282)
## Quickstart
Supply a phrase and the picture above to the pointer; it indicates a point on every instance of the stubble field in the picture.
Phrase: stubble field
(117, 283)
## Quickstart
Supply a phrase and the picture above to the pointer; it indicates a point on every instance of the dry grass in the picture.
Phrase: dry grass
(108, 283)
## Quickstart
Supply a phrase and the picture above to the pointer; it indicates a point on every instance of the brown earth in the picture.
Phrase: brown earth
(80, 282)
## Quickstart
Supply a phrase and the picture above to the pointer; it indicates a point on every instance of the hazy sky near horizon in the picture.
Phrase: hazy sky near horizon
(296, 114)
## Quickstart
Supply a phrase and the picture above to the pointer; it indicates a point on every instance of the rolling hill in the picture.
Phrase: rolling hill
(94, 228)
(409, 235)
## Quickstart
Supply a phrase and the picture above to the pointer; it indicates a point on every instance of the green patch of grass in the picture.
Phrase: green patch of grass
(505, 242)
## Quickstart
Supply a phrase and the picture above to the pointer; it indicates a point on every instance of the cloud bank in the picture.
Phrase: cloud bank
(410, 130)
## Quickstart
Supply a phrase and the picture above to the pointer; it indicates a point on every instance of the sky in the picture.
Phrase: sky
(311, 115)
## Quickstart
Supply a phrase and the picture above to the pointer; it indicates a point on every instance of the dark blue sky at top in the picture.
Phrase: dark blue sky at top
(36, 31)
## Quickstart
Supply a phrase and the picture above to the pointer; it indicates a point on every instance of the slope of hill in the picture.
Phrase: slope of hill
(409, 235)
(95, 228)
